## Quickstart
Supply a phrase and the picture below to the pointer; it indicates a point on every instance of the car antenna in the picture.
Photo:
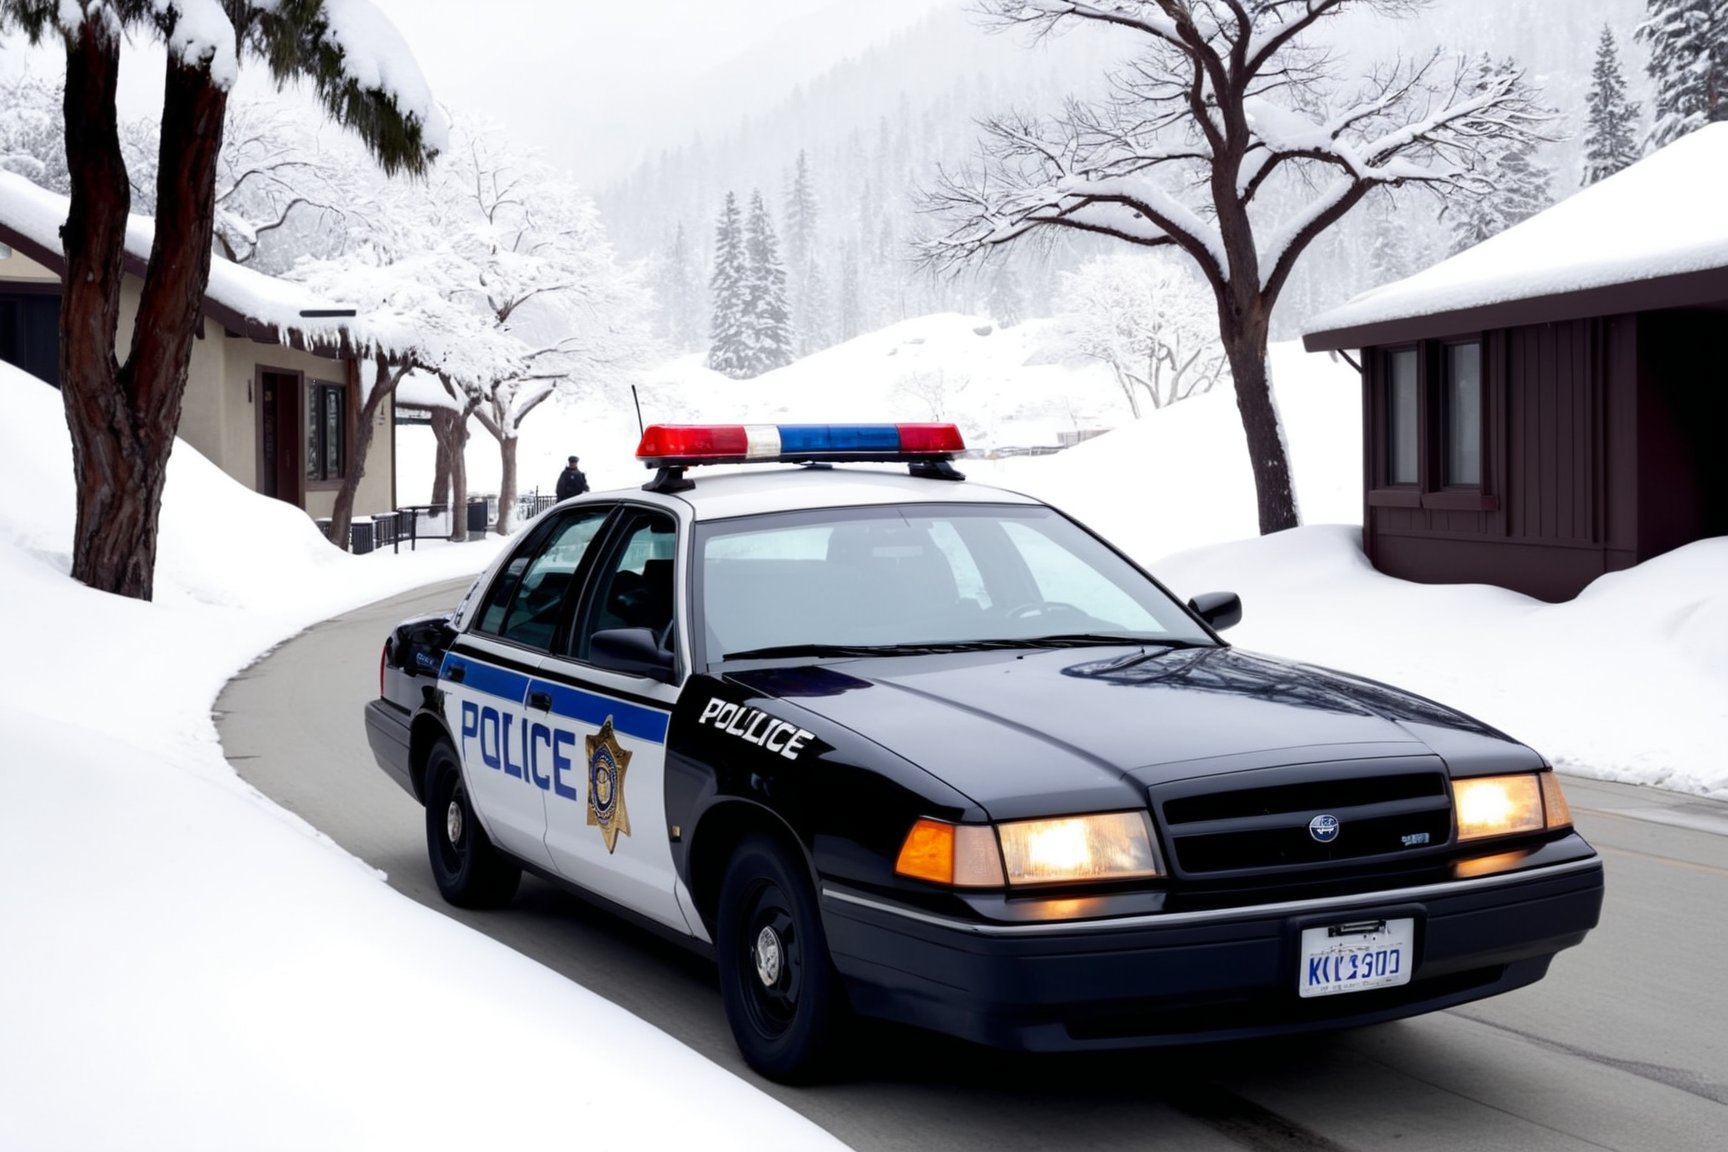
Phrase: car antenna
(637, 400)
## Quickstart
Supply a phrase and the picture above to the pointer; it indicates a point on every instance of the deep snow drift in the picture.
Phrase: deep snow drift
(185, 964)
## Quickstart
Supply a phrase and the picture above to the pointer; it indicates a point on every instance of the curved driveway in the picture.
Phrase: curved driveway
(1623, 1046)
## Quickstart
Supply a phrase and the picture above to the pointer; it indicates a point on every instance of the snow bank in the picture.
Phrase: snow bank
(1628, 682)
(212, 970)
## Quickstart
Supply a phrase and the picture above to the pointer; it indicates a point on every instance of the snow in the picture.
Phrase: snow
(188, 966)
(1660, 217)
(197, 952)
(375, 57)
(38, 214)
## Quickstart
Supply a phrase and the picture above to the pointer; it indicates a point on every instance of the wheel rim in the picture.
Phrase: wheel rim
(772, 967)
(453, 844)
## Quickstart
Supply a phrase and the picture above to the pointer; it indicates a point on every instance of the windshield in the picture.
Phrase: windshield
(919, 577)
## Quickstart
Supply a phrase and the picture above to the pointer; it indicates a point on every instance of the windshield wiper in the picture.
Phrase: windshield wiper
(936, 647)
(776, 651)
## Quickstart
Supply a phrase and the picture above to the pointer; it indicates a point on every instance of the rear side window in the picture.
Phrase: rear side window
(527, 600)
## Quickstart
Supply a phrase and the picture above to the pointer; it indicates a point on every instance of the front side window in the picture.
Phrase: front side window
(527, 598)
(1403, 408)
(326, 408)
(1463, 402)
(926, 574)
(633, 586)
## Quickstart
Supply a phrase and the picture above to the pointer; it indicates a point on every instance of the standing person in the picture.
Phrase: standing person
(571, 481)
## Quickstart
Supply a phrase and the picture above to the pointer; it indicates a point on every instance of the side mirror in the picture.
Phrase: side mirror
(631, 651)
(1219, 609)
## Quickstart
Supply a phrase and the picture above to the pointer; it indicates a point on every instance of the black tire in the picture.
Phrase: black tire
(784, 1002)
(470, 872)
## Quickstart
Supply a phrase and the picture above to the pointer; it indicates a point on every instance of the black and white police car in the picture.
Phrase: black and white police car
(899, 746)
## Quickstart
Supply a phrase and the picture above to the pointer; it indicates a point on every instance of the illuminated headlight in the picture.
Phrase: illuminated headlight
(1064, 850)
(1071, 849)
(1507, 805)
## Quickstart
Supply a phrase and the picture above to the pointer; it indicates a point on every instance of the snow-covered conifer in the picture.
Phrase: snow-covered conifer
(676, 291)
(851, 307)
(800, 214)
(768, 320)
(1610, 139)
(729, 346)
(1007, 306)
(1688, 43)
(1517, 181)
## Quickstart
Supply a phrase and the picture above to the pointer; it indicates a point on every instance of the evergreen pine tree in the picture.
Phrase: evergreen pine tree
(809, 316)
(730, 351)
(1688, 43)
(851, 306)
(1006, 304)
(767, 316)
(800, 214)
(1609, 141)
(814, 311)
(1518, 181)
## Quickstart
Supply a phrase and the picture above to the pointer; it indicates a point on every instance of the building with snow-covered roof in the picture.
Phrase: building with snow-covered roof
(1551, 404)
(273, 390)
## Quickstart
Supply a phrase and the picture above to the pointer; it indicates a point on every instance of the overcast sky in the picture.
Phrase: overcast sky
(601, 86)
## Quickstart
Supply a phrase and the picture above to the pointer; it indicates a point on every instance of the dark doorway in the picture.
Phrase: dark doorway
(280, 457)
(30, 333)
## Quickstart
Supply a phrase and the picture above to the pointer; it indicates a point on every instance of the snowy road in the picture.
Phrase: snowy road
(1624, 1046)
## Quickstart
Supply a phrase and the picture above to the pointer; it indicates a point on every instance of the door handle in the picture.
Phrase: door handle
(540, 700)
(458, 672)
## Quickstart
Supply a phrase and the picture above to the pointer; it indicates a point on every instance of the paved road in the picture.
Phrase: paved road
(1623, 1046)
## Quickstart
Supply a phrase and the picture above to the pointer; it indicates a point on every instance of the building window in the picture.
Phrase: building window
(1462, 398)
(326, 422)
(1402, 424)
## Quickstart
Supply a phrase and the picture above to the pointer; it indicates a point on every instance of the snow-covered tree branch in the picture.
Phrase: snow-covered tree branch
(1225, 98)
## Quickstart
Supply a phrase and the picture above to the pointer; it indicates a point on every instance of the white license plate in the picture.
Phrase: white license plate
(1356, 956)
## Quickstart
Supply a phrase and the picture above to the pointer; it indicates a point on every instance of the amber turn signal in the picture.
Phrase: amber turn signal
(958, 855)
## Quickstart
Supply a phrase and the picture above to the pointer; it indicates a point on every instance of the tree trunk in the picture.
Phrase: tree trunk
(342, 512)
(506, 483)
(453, 438)
(442, 419)
(123, 418)
(1245, 345)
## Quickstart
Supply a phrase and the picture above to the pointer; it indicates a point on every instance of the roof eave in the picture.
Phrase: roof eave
(1708, 286)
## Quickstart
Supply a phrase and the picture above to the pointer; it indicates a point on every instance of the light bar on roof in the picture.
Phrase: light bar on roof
(681, 445)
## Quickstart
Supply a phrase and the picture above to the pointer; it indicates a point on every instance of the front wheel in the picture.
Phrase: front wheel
(470, 872)
(782, 995)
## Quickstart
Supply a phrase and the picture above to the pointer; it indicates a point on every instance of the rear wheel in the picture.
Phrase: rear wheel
(470, 872)
(782, 995)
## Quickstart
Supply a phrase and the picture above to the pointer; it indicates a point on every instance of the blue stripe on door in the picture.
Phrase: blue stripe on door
(592, 708)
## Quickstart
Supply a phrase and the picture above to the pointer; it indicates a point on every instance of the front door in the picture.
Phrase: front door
(608, 833)
(516, 760)
(281, 462)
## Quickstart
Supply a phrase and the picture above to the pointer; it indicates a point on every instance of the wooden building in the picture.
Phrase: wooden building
(1552, 405)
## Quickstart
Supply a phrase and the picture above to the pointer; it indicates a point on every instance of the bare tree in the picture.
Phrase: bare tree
(1228, 101)
(123, 414)
(1148, 321)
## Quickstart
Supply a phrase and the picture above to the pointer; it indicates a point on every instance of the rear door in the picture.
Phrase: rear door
(508, 753)
(607, 832)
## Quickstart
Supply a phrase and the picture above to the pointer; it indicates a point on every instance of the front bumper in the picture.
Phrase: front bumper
(388, 732)
(1191, 977)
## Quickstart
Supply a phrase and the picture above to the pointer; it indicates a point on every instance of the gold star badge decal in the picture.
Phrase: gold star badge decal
(607, 763)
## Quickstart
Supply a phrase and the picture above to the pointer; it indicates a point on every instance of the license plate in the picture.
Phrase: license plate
(1356, 956)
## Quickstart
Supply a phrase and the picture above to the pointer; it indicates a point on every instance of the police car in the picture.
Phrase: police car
(891, 744)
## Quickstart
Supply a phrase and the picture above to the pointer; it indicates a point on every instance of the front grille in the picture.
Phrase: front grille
(1259, 820)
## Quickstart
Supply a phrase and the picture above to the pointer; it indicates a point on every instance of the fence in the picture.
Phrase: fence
(412, 523)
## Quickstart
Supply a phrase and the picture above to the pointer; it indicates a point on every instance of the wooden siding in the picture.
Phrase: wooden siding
(1553, 430)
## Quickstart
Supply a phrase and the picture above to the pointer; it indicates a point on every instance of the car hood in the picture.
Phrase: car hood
(1096, 727)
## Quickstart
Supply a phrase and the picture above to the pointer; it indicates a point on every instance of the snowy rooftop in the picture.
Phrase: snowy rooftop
(243, 300)
(1658, 219)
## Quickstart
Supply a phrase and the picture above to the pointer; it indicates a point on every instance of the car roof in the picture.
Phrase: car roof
(753, 489)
